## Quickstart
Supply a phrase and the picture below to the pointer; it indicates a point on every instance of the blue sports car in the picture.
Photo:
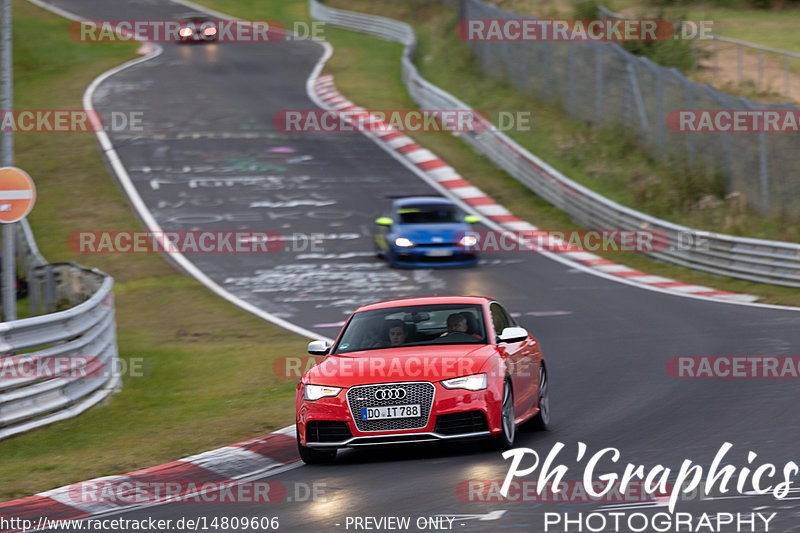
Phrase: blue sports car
(425, 231)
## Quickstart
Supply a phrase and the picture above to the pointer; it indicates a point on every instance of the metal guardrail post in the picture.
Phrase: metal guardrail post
(763, 171)
(689, 135)
(739, 63)
(571, 77)
(659, 73)
(547, 67)
(598, 84)
(34, 292)
(715, 54)
(786, 76)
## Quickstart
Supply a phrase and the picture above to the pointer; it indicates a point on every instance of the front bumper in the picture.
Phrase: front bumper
(454, 414)
(431, 256)
(415, 438)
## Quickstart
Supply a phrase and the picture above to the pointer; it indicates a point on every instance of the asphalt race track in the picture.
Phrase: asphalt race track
(209, 158)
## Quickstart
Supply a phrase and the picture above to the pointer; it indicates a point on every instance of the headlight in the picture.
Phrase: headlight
(210, 31)
(468, 240)
(315, 392)
(402, 241)
(185, 32)
(473, 382)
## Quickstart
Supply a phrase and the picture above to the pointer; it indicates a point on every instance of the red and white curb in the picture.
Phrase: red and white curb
(447, 177)
(251, 458)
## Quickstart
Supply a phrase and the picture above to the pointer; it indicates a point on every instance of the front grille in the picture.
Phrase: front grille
(416, 393)
(419, 258)
(394, 439)
(327, 431)
(458, 423)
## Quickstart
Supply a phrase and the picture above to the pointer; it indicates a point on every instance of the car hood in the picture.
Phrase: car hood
(432, 233)
(392, 365)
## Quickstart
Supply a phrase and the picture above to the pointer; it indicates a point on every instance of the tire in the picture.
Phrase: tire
(542, 420)
(508, 433)
(312, 456)
(380, 254)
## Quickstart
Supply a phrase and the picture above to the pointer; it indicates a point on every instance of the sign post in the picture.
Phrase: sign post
(8, 274)
(17, 195)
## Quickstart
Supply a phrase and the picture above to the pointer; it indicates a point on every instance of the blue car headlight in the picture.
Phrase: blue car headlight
(468, 240)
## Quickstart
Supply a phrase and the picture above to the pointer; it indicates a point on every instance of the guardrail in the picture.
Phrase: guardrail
(758, 260)
(56, 365)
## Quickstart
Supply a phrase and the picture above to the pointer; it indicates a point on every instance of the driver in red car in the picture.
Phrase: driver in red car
(457, 323)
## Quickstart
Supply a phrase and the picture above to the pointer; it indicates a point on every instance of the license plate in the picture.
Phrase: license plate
(439, 253)
(391, 411)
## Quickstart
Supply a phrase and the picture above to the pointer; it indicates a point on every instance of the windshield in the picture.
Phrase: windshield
(427, 214)
(421, 325)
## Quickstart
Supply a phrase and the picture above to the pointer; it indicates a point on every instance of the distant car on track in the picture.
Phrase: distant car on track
(425, 231)
(422, 369)
(197, 27)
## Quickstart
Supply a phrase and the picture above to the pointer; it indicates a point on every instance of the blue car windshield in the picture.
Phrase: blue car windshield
(419, 325)
(428, 214)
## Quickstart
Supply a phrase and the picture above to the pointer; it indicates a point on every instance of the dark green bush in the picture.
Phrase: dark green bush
(586, 9)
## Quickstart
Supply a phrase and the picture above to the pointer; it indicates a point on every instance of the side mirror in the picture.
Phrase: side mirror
(515, 334)
(383, 221)
(472, 219)
(319, 347)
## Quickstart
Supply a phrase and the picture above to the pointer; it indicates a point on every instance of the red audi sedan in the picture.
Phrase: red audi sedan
(421, 369)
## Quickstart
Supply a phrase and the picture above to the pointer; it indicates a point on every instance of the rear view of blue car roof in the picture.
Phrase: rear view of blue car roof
(422, 200)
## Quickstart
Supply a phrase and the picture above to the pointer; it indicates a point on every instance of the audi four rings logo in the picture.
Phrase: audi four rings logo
(390, 394)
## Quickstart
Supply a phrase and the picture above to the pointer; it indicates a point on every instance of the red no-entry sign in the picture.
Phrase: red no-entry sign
(17, 194)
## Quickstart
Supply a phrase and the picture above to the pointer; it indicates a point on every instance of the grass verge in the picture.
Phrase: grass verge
(207, 366)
